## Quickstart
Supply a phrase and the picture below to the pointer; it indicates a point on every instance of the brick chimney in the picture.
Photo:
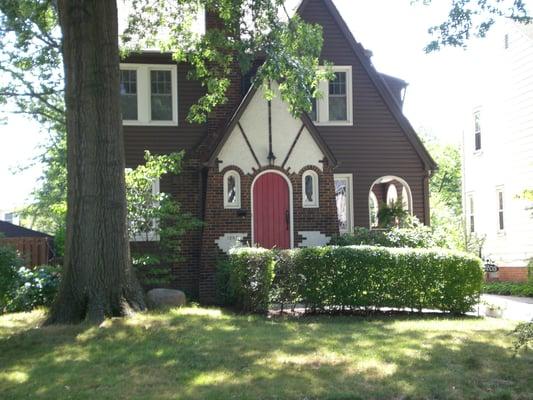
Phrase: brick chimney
(218, 118)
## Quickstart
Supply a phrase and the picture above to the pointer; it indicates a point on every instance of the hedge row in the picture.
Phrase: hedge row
(524, 289)
(353, 276)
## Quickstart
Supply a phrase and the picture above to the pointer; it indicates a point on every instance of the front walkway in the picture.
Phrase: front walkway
(513, 308)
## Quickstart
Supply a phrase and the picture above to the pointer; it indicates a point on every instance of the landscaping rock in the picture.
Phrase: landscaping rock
(158, 298)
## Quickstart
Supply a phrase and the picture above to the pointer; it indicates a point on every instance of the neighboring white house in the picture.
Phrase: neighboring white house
(10, 216)
(498, 148)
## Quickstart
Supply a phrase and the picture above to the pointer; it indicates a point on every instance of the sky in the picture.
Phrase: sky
(395, 31)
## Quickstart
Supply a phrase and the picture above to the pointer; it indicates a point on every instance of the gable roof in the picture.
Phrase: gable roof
(238, 114)
(8, 230)
(379, 83)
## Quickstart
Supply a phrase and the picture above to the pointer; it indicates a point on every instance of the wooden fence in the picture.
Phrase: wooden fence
(35, 250)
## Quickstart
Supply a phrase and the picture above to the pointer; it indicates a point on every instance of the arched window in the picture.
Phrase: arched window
(232, 190)
(310, 189)
(373, 207)
(392, 194)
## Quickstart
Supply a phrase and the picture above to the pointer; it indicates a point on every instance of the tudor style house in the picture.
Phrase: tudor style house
(258, 176)
(498, 149)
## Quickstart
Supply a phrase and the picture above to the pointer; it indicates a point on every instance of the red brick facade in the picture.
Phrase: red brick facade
(509, 274)
(219, 221)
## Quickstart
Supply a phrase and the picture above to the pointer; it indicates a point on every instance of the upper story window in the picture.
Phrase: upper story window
(501, 222)
(310, 189)
(335, 106)
(477, 131)
(149, 94)
(232, 189)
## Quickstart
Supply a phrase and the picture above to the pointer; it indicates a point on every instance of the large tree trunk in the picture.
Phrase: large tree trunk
(98, 280)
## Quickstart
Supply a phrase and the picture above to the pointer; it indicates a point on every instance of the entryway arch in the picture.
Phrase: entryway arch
(384, 190)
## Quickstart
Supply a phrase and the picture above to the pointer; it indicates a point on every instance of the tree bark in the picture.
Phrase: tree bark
(98, 278)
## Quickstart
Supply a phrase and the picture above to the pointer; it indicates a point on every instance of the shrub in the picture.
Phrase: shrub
(523, 336)
(10, 260)
(358, 276)
(524, 289)
(33, 288)
(246, 279)
(419, 236)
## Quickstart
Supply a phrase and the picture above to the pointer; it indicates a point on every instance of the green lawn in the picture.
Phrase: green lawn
(198, 353)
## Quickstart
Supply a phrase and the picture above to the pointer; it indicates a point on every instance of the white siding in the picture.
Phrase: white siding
(502, 89)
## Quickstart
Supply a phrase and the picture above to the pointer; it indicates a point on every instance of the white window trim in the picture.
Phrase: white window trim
(322, 104)
(315, 203)
(237, 203)
(144, 98)
(349, 179)
(151, 236)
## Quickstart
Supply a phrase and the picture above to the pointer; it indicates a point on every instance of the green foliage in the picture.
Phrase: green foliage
(419, 236)
(393, 214)
(10, 261)
(245, 281)
(34, 287)
(524, 289)
(523, 336)
(291, 48)
(359, 276)
(156, 216)
(468, 18)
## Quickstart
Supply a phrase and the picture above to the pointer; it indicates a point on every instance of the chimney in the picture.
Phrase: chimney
(218, 118)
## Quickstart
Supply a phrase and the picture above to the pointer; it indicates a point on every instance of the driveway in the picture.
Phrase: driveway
(513, 308)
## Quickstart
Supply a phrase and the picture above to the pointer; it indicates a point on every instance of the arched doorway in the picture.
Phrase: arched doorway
(272, 211)
(385, 191)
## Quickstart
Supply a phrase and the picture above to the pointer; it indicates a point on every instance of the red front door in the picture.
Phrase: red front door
(271, 211)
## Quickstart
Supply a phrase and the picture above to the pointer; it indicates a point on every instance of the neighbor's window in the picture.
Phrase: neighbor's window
(343, 197)
(232, 189)
(501, 223)
(310, 189)
(128, 94)
(149, 94)
(477, 130)
(335, 106)
(470, 209)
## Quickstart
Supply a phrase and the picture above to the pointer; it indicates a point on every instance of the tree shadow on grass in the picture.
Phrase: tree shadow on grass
(206, 354)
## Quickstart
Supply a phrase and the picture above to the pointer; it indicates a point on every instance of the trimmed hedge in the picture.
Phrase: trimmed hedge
(419, 236)
(353, 277)
(524, 289)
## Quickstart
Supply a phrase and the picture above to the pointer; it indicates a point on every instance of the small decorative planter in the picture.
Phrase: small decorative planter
(493, 310)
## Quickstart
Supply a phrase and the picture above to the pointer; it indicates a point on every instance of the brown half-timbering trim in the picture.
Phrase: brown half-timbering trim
(293, 145)
(248, 144)
(271, 156)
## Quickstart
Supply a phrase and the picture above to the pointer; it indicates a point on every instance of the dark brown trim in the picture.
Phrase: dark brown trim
(238, 114)
(271, 157)
(248, 144)
(379, 83)
(292, 146)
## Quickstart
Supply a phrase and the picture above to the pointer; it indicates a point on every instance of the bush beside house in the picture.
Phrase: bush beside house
(351, 277)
